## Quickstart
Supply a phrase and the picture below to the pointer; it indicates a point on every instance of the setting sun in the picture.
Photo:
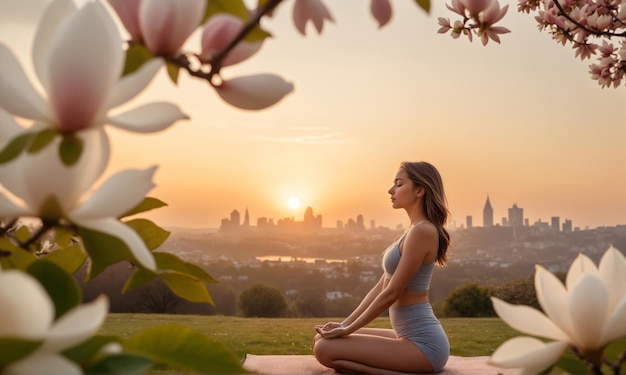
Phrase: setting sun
(293, 202)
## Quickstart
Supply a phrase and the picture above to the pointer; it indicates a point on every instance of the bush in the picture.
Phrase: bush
(263, 301)
(469, 301)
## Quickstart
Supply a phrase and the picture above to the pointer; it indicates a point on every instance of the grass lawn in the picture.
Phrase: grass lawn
(468, 336)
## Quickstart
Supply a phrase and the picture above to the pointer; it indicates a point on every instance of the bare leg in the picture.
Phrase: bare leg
(383, 332)
(371, 354)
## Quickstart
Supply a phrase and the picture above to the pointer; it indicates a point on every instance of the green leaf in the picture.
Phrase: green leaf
(15, 147)
(70, 149)
(169, 261)
(104, 251)
(235, 7)
(183, 347)
(13, 256)
(140, 277)
(69, 259)
(22, 233)
(12, 349)
(172, 71)
(150, 233)
(147, 204)
(41, 140)
(63, 237)
(89, 348)
(121, 364)
(61, 287)
(424, 4)
(571, 365)
(136, 56)
(186, 286)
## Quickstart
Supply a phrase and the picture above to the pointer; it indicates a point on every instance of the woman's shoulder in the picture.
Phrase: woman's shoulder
(423, 230)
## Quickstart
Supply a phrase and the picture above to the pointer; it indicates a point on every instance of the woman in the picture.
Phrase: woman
(417, 342)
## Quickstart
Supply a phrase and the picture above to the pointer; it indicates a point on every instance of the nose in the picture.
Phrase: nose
(390, 191)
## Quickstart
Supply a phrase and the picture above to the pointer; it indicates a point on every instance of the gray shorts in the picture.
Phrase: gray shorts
(418, 324)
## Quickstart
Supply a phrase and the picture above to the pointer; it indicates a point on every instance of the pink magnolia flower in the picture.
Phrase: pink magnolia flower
(310, 10)
(254, 92)
(457, 7)
(474, 7)
(218, 32)
(78, 60)
(489, 17)
(162, 25)
(381, 10)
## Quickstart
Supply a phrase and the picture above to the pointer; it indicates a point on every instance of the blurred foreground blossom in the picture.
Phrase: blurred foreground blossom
(78, 60)
(587, 314)
(28, 313)
(254, 92)
(479, 16)
(41, 185)
(310, 10)
(219, 31)
(381, 10)
(162, 25)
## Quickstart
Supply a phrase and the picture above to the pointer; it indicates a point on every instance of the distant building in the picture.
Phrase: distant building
(516, 216)
(232, 224)
(311, 221)
(246, 219)
(468, 221)
(487, 214)
(567, 226)
(555, 223)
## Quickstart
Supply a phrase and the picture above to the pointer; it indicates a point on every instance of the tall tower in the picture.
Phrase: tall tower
(487, 214)
(516, 216)
(246, 219)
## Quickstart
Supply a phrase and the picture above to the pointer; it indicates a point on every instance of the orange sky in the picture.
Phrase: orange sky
(521, 122)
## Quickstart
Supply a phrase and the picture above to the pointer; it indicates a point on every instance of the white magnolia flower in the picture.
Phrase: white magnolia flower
(40, 185)
(590, 294)
(28, 313)
(78, 60)
(218, 32)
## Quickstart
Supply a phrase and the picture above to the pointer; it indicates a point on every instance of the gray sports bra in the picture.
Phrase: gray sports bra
(421, 281)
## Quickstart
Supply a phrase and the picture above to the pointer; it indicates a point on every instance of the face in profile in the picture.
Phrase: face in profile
(402, 191)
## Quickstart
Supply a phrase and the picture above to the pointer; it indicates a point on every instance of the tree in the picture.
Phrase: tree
(263, 301)
(470, 300)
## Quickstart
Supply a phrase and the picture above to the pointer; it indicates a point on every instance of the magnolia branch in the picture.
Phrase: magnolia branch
(583, 27)
(184, 62)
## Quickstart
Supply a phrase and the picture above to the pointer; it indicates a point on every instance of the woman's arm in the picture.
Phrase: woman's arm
(367, 300)
(421, 241)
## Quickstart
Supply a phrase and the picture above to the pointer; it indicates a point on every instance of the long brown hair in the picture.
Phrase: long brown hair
(435, 204)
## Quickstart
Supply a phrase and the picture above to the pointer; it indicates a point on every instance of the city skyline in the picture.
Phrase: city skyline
(515, 216)
(521, 121)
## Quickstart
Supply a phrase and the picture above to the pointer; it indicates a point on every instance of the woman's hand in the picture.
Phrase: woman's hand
(331, 330)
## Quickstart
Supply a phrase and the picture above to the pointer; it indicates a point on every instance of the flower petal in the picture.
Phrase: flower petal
(310, 10)
(166, 24)
(254, 92)
(118, 194)
(18, 96)
(56, 12)
(217, 34)
(615, 324)
(26, 308)
(612, 269)
(122, 231)
(43, 364)
(553, 298)
(527, 320)
(128, 12)
(8, 209)
(149, 118)
(381, 10)
(588, 303)
(85, 62)
(581, 265)
(132, 84)
(527, 353)
(9, 128)
(77, 325)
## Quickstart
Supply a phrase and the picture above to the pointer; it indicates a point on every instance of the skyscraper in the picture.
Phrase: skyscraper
(487, 214)
(516, 216)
